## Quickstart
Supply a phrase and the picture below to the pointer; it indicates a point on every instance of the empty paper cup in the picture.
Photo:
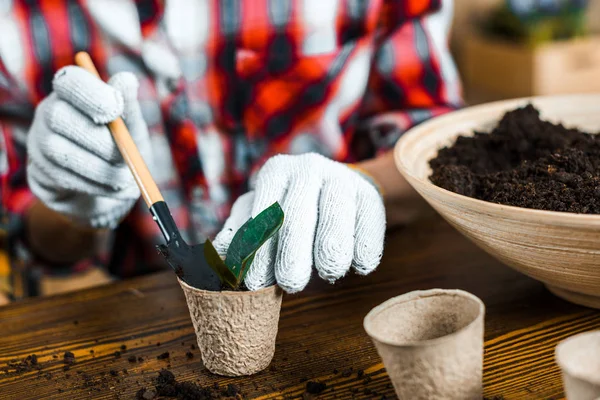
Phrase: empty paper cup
(579, 359)
(236, 331)
(431, 343)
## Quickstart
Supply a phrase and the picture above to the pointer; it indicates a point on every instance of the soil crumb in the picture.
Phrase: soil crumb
(347, 373)
(167, 386)
(69, 358)
(145, 394)
(315, 387)
(26, 364)
(525, 162)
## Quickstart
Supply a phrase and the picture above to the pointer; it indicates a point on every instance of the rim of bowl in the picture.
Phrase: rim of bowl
(560, 348)
(514, 212)
(409, 297)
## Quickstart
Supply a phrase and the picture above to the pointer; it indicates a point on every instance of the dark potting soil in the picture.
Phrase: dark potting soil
(26, 364)
(524, 162)
(166, 385)
(315, 387)
(69, 358)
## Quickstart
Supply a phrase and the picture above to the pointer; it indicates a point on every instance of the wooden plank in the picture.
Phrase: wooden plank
(321, 336)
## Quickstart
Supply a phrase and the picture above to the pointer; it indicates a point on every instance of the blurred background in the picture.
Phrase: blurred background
(503, 49)
(515, 48)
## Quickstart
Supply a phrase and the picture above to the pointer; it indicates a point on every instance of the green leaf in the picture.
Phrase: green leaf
(215, 261)
(249, 238)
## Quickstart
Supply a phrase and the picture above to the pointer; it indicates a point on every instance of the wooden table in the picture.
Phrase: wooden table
(321, 337)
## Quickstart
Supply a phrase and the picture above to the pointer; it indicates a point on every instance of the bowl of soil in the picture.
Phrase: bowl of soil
(521, 179)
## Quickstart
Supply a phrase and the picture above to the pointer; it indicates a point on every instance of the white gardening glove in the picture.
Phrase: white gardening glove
(74, 165)
(334, 220)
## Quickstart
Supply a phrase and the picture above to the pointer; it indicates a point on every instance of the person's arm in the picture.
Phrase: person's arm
(54, 238)
(402, 203)
(408, 85)
(49, 235)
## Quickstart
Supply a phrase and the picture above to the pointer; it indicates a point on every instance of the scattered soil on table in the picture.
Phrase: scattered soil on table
(27, 364)
(525, 162)
(111, 377)
(167, 386)
(69, 358)
(315, 387)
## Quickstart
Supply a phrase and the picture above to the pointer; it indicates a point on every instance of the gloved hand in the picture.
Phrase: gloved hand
(74, 165)
(334, 220)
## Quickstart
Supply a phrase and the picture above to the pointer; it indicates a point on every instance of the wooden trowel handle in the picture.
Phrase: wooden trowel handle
(126, 145)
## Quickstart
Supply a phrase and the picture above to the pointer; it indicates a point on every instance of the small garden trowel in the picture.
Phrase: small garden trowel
(192, 264)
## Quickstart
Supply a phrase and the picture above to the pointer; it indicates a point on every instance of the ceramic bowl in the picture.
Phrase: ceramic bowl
(560, 249)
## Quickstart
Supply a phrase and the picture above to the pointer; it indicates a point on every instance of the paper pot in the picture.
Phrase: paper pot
(431, 343)
(579, 360)
(236, 331)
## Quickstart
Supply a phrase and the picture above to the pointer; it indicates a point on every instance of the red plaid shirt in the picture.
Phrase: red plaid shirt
(257, 78)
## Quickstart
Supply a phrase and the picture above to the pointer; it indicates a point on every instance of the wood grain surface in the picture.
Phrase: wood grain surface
(321, 337)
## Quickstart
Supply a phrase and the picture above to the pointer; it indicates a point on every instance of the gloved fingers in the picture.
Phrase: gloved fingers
(42, 185)
(67, 121)
(271, 183)
(294, 262)
(334, 239)
(55, 176)
(127, 84)
(240, 213)
(271, 186)
(370, 228)
(69, 156)
(64, 181)
(99, 212)
(84, 91)
(104, 212)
